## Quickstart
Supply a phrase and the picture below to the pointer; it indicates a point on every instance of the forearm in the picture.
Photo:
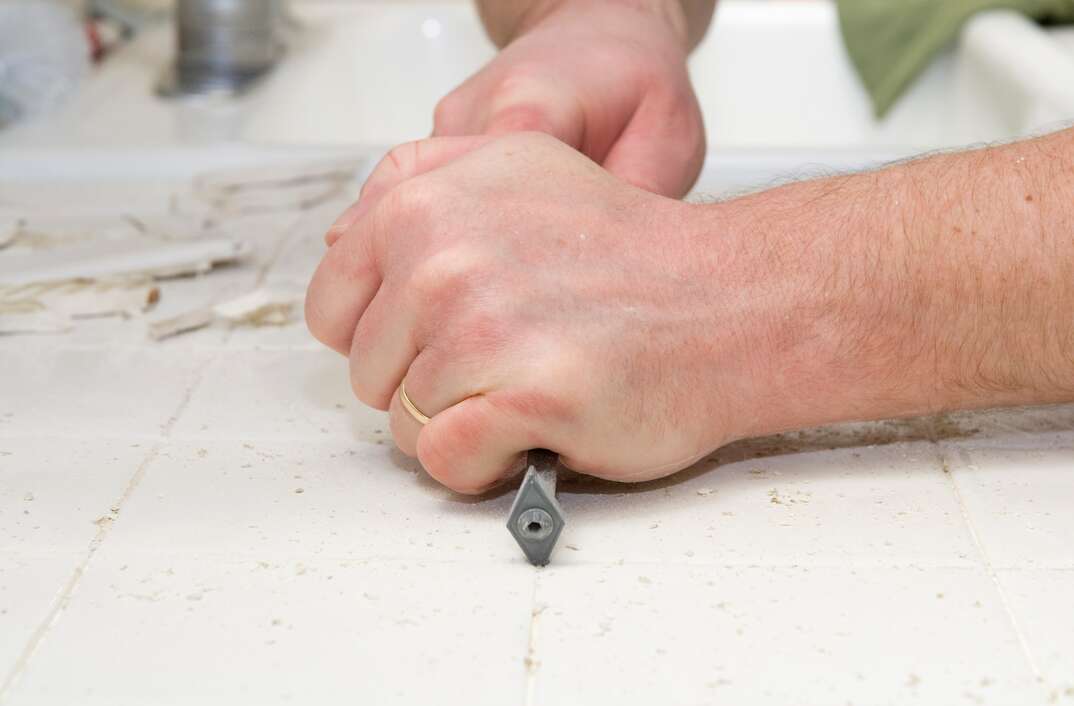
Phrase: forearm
(944, 283)
(506, 19)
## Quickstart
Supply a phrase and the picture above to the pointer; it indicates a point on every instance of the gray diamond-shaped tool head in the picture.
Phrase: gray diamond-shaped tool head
(536, 518)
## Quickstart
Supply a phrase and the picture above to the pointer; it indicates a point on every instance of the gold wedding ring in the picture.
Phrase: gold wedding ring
(409, 406)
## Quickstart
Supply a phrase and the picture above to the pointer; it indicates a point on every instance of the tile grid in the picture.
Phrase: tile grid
(58, 606)
(532, 662)
(983, 560)
(533, 640)
(1023, 643)
(60, 603)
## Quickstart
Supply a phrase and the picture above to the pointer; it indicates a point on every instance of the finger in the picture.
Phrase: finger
(477, 443)
(382, 348)
(527, 105)
(401, 163)
(404, 427)
(341, 289)
(662, 147)
(441, 376)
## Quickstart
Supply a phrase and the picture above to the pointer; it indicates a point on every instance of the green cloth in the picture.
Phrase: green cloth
(892, 41)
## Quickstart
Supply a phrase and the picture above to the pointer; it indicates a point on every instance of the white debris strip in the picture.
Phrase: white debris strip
(183, 323)
(54, 307)
(262, 307)
(43, 321)
(243, 191)
(131, 256)
(60, 269)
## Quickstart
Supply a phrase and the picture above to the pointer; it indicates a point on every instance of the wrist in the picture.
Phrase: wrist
(922, 288)
(665, 14)
(810, 283)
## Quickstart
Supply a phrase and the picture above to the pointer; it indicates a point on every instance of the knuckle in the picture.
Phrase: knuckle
(445, 452)
(412, 199)
(445, 111)
(446, 274)
(520, 102)
(522, 117)
(351, 261)
(485, 334)
(524, 78)
(404, 157)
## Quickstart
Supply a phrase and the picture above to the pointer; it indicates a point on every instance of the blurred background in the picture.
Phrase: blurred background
(771, 75)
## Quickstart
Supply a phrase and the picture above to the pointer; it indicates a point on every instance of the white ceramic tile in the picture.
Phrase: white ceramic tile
(277, 548)
(90, 393)
(871, 505)
(341, 499)
(29, 585)
(764, 635)
(1042, 601)
(1019, 501)
(168, 630)
(55, 491)
(272, 394)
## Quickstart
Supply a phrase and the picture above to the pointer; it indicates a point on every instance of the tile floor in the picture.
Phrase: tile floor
(213, 519)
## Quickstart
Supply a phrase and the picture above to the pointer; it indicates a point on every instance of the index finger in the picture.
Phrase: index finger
(401, 163)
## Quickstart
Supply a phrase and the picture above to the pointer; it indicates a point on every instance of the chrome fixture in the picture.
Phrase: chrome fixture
(223, 46)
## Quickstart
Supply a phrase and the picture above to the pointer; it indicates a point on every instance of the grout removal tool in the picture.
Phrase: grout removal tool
(536, 518)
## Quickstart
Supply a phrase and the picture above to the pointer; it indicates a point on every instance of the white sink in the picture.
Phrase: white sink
(776, 88)
(769, 75)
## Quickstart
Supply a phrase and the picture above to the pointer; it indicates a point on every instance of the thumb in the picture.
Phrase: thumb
(403, 162)
(475, 443)
(662, 147)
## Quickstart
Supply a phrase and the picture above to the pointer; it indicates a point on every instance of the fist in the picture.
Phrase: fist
(528, 299)
(608, 79)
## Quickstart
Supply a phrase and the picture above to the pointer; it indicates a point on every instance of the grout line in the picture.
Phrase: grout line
(531, 662)
(990, 570)
(61, 602)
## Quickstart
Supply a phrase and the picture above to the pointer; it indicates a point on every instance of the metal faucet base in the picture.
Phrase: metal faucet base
(172, 86)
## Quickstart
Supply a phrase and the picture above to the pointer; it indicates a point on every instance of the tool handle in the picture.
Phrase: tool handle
(536, 519)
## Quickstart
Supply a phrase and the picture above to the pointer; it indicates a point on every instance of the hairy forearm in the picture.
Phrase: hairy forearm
(944, 283)
(506, 19)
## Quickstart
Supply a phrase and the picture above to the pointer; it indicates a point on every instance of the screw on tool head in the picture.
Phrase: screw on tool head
(536, 518)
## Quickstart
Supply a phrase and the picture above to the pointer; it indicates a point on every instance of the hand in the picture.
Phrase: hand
(607, 78)
(530, 299)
